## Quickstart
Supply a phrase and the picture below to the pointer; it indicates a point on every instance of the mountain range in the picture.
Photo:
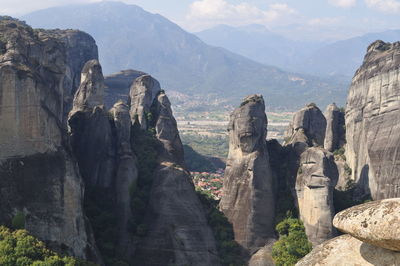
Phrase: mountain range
(339, 58)
(129, 37)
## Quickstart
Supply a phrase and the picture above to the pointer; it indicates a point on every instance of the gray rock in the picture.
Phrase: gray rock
(349, 251)
(334, 136)
(309, 124)
(91, 135)
(376, 223)
(263, 257)
(316, 178)
(39, 177)
(178, 232)
(248, 198)
(372, 122)
(143, 92)
(118, 85)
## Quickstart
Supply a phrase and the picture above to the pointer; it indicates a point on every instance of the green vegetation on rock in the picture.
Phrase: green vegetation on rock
(21, 249)
(292, 244)
(18, 221)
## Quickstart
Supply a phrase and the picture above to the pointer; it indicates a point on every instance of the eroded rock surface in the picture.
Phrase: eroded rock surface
(308, 126)
(372, 121)
(39, 176)
(335, 132)
(376, 223)
(315, 182)
(347, 250)
(178, 233)
(143, 92)
(248, 199)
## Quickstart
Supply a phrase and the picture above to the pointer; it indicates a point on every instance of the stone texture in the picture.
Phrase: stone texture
(248, 199)
(349, 251)
(91, 135)
(376, 223)
(39, 176)
(262, 257)
(178, 233)
(142, 94)
(335, 133)
(117, 85)
(316, 179)
(308, 126)
(372, 122)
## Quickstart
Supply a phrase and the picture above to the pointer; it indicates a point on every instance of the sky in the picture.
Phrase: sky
(299, 19)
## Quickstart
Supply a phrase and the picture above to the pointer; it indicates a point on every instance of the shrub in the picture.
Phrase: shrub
(292, 244)
(18, 222)
(20, 248)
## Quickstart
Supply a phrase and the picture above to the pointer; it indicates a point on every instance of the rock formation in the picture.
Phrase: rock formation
(373, 234)
(312, 173)
(335, 133)
(39, 176)
(117, 85)
(142, 94)
(248, 198)
(307, 128)
(376, 223)
(178, 231)
(315, 182)
(372, 126)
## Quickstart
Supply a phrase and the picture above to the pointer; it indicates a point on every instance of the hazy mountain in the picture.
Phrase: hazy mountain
(130, 37)
(258, 43)
(340, 58)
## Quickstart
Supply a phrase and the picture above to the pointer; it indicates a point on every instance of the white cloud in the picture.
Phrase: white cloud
(327, 21)
(386, 6)
(212, 12)
(343, 3)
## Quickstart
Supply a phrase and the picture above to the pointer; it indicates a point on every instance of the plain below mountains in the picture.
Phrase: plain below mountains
(339, 59)
(128, 37)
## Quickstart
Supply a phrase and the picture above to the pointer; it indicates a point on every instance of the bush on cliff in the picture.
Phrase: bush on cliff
(20, 248)
(292, 244)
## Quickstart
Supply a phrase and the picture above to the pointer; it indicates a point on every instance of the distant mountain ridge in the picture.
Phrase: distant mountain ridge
(128, 37)
(340, 58)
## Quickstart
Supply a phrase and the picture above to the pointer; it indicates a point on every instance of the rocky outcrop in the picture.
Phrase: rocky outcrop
(143, 92)
(373, 237)
(248, 198)
(80, 48)
(178, 233)
(376, 223)
(39, 176)
(335, 133)
(117, 86)
(372, 115)
(347, 250)
(91, 135)
(315, 182)
(101, 142)
(307, 128)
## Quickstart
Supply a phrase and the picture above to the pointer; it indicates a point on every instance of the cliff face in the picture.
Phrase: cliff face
(312, 172)
(178, 232)
(315, 182)
(372, 112)
(39, 177)
(248, 198)
(335, 132)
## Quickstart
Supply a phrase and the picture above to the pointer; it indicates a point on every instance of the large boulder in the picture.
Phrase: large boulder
(372, 122)
(349, 251)
(376, 223)
(316, 179)
(248, 199)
